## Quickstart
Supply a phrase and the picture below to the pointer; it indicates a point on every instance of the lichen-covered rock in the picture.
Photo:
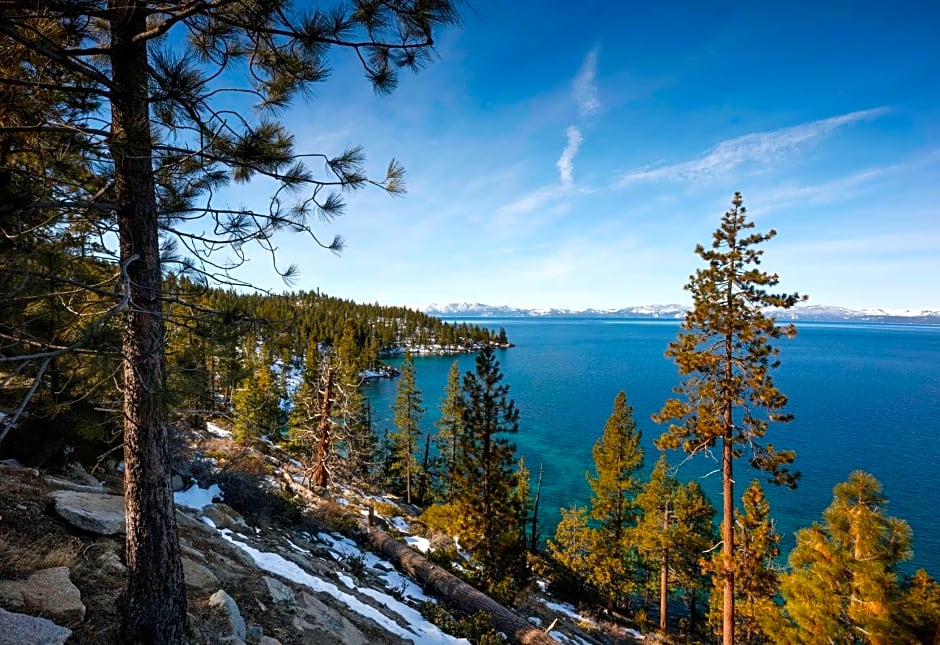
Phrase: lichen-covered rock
(49, 592)
(17, 629)
(94, 512)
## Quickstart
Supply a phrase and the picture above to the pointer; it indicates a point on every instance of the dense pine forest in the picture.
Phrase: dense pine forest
(218, 342)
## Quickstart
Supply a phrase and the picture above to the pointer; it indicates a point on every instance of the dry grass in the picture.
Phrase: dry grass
(19, 557)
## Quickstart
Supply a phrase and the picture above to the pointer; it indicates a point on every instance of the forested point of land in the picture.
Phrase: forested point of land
(215, 340)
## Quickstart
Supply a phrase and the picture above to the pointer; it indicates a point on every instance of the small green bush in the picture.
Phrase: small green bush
(477, 628)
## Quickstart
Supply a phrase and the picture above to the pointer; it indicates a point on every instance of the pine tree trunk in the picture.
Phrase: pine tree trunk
(425, 470)
(664, 579)
(727, 481)
(154, 601)
(727, 536)
(320, 473)
(535, 512)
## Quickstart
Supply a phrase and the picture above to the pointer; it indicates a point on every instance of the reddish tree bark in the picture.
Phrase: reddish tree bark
(154, 601)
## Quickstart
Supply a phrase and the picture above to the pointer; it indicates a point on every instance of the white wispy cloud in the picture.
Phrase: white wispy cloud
(848, 187)
(565, 163)
(549, 197)
(533, 200)
(758, 148)
(584, 86)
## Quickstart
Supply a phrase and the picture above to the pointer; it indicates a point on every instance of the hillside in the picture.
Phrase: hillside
(266, 559)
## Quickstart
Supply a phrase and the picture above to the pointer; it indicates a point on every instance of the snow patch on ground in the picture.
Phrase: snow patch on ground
(397, 582)
(400, 524)
(217, 431)
(197, 498)
(422, 544)
(568, 639)
(418, 631)
(567, 610)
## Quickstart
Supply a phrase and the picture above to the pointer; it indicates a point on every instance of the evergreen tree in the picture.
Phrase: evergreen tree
(522, 501)
(921, 606)
(618, 458)
(256, 407)
(450, 428)
(485, 477)
(756, 547)
(844, 585)
(360, 443)
(724, 353)
(574, 544)
(405, 441)
(673, 534)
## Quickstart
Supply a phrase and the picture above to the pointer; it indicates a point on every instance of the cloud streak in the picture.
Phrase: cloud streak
(758, 148)
(584, 86)
(565, 163)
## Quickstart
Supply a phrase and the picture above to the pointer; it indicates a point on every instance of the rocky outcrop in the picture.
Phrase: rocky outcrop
(48, 592)
(17, 629)
(93, 512)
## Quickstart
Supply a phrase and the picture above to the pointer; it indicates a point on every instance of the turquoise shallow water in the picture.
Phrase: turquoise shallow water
(864, 397)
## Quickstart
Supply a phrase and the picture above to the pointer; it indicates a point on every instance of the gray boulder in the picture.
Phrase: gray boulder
(77, 473)
(93, 512)
(225, 517)
(197, 576)
(66, 484)
(17, 629)
(224, 603)
(49, 592)
(319, 623)
(280, 593)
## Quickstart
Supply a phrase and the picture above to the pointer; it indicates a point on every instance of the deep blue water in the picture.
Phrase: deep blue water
(864, 397)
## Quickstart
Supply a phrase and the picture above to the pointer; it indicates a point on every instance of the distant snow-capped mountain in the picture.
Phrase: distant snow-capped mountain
(502, 311)
(818, 313)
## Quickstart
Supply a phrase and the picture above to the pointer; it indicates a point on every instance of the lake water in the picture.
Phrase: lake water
(864, 397)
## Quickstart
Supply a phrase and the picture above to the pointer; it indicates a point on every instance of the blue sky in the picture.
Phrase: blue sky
(573, 154)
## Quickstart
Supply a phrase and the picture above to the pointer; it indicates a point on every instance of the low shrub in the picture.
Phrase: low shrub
(477, 628)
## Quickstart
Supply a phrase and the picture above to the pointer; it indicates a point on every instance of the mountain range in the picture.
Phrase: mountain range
(816, 313)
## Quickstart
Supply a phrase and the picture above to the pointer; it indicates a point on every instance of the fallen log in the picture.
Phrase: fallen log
(439, 580)
(455, 591)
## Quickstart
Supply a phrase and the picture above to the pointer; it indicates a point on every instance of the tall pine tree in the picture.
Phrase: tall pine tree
(450, 428)
(724, 354)
(160, 123)
(485, 477)
(406, 439)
